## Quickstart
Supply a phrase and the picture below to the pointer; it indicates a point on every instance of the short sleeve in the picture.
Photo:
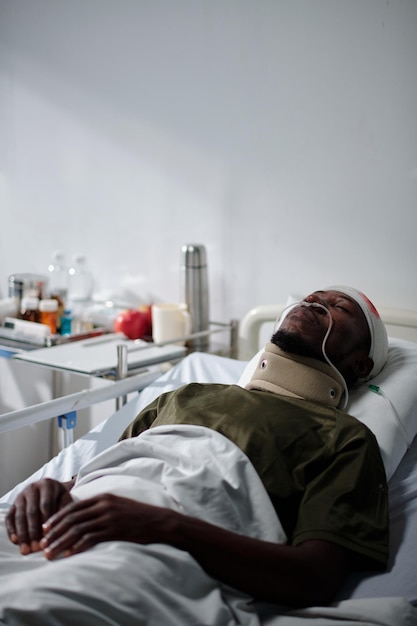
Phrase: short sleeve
(142, 421)
(347, 502)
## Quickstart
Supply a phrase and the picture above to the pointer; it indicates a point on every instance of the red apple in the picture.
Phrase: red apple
(146, 309)
(132, 323)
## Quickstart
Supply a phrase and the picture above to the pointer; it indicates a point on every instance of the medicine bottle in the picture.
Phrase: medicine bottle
(48, 309)
(29, 309)
(66, 323)
(60, 310)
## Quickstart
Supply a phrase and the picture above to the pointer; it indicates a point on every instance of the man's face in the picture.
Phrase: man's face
(303, 329)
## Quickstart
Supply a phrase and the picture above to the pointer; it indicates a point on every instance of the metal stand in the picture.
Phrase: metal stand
(121, 372)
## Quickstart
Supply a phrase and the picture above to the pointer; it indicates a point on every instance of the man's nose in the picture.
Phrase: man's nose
(315, 298)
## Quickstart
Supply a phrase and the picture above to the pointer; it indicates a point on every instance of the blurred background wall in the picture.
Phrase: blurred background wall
(282, 134)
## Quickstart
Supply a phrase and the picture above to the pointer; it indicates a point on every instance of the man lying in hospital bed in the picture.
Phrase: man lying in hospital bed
(160, 547)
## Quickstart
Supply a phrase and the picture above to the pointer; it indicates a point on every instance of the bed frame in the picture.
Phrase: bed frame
(401, 324)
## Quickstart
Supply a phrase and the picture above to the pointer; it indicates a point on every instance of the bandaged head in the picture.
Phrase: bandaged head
(378, 351)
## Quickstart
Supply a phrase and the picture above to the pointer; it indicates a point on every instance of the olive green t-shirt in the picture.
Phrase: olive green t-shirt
(321, 467)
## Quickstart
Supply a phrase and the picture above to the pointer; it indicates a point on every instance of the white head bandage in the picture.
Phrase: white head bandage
(378, 351)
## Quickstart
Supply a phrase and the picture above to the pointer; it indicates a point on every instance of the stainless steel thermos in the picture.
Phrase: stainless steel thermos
(195, 291)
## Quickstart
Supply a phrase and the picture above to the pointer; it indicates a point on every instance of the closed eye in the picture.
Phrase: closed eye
(341, 307)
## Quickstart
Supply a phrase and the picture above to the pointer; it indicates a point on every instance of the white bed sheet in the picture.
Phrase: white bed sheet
(399, 580)
(101, 585)
(191, 469)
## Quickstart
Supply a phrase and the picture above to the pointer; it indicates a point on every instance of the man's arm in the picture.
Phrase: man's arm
(308, 574)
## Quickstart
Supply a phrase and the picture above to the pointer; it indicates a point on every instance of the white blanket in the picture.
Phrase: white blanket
(365, 612)
(190, 469)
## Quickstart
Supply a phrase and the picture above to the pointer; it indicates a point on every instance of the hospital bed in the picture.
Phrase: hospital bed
(389, 408)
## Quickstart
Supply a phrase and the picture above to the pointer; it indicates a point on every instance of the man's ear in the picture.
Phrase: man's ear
(362, 366)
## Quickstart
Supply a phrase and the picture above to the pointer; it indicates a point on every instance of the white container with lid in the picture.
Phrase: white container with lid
(29, 302)
(8, 308)
(48, 305)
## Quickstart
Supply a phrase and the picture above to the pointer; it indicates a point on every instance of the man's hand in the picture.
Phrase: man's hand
(32, 507)
(106, 517)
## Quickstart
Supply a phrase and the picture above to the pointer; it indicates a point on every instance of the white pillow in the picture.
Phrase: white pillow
(387, 404)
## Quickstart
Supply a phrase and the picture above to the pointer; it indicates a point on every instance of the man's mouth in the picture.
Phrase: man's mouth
(305, 312)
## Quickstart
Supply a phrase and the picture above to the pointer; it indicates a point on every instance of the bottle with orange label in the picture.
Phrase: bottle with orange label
(48, 309)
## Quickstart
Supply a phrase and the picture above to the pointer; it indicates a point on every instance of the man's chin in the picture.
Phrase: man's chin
(295, 344)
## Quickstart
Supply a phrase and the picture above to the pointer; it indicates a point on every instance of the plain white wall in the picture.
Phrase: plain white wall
(280, 133)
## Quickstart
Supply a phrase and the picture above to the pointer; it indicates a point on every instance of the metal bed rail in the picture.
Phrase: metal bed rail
(77, 401)
(124, 381)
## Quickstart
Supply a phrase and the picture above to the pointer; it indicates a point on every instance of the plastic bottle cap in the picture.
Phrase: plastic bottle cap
(29, 302)
(48, 305)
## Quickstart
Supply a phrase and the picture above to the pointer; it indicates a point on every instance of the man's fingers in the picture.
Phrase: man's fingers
(19, 531)
(72, 512)
(50, 495)
(33, 506)
(10, 524)
(74, 528)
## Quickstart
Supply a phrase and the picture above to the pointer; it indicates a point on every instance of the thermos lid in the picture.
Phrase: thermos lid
(194, 255)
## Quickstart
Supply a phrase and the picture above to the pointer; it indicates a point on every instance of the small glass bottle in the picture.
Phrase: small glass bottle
(48, 309)
(58, 276)
(80, 283)
(66, 323)
(29, 309)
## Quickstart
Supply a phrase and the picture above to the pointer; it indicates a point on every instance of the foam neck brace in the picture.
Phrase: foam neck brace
(295, 376)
